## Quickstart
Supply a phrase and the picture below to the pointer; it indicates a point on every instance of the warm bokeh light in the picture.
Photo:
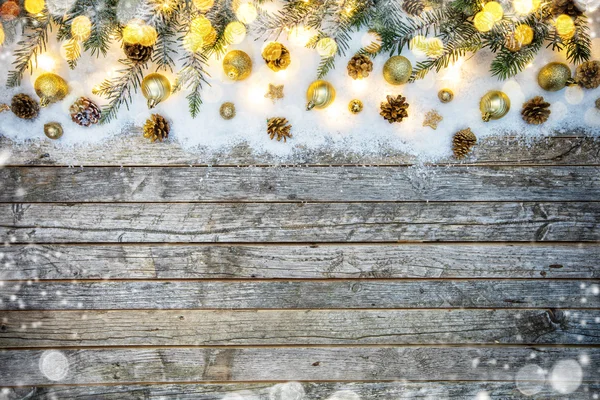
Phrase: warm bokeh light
(299, 35)
(495, 9)
(132, 32)
(565, 26)
(235, 32)
(46, 63)
(81, 28)
(35, 6)
(418, 45)
(483, 21)
(326, 47)
(203, 5)
(2, 36)
(201, 26)
(149, 35)
(246, 13)
(211, 38)
(193, 42)
(435, 47)
(524, 7)
(523, 34)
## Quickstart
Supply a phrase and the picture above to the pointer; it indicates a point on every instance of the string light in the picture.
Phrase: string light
(525, 7)
(204, 5)
(235, 32)
(35, 6)
(483, 21)
(327, 47)
(495, 9)
(523, 34)
(81, 28)
(246, 13)
(565, 26)
(46, 63)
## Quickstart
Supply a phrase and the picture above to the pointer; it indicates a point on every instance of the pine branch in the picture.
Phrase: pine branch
(579, 47)
(73, 53)
(120, 90)
(326, 65)
(192, 76)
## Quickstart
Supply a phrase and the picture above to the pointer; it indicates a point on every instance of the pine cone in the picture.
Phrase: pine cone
(156, 128)
(138, 53)
(9, 10)
(24, 106)
(536, 111)
(85, 112)
(395, 109)
(463, 143)
(279, 127)
(598, 103)
(272, 51)
(587, 74)
(568, 7)
(413, 7)
(280, 62)
(360, 66)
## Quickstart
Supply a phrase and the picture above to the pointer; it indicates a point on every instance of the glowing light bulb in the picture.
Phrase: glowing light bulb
(35, 6)
(483, 21)
(2, 36)
(523, 7)
(565, 26)
(327, 47)
(495, 9)
(235, 32)
(246, 13)
(201, 26)
(203, 5)
(299, 35)
(46, 62)
(523, 34)
(81, 28)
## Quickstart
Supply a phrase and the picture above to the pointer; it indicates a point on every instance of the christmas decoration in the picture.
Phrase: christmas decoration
(227, 110)
(50, 88)
(279, 128)
(138, 53)
(395, 109)
(413, 7)
(276, 56)
(156, 88)
(554, 76)
(446, 95)
(53, 130)
(432, 119)
(463, 142)
(4, 108)
(494, 105)
(9, 10)
(587, 75)
(156, 128)
(536, 111)
(568, 7)
(397, 70)
(275, 92)
(237, 65)
(85, 112)
(597, 103)
(355, 106)
(24, 106)
(320, 94)
(360, 66)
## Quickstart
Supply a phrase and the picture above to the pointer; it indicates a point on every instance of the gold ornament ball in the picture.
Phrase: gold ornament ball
(237, 65)
(53, 130)
(156, 88)
(445, 95)
(355, 106)
(50, 88)
(494, 105)
(227, 110)
(397, 70)
(320, 94)
(554, 76)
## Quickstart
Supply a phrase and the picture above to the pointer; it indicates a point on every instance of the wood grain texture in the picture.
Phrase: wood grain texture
(130, 148)
(287, 222)
(327, 184)
(206, 261)
(285, 364)
(304, 390)
(282, 328)
(122, 295)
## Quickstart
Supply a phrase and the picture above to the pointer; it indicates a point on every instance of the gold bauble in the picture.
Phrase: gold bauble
(355, 106)
(156, 88)
(50, 88)
(494, 105)
(237, 65)
(227, 110)
(397, 70)
(320, 94)
(554, 76)
(53, 130)
(445, 95)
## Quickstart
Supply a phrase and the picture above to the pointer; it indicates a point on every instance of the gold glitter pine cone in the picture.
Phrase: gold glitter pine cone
(85, 112)
(138, 53)
(395, 109)
(568, 7)
(227, 110)
(587, 74)
(536, 111)
(413, 7)
(278, 59)
(24, 106)
(463, 142)
(272, 51)
(279, 128)
(360, 66)
(156, 128)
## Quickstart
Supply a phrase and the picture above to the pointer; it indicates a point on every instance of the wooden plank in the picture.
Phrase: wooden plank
(130, 148)
(251, 328)
(370, 294)
(288, 222)
(59, 184)
(282, 364)
(305, 390)
(430, 260)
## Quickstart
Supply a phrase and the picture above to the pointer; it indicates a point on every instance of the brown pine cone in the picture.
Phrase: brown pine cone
(138, 53)
(24, 106)
(413, 7)
(394, 109)
(9, 10)
(85, 112)
(536, 111)
(279, 127)
(360, 66)
(463, 142)
(558, 7)
(598, 103)
(278, 63)
(156, 128)
(587, 74)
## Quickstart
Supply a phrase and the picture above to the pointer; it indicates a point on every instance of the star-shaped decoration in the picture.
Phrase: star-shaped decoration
(275, 92)
(432, 119)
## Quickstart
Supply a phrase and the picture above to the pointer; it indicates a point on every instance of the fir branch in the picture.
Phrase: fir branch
(326, 65)
(579, 47)
(73, 52)
(191, 77)
(120, 90)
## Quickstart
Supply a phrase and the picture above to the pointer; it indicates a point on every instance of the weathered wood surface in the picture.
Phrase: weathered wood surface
(369, 294)
(304, 390)
(133, 149)
(56, 329)
(325, 184)
(289, 222)
(206, 261)
(288, 364)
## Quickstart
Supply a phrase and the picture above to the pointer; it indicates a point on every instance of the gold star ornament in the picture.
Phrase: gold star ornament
(275, 92)
(432, 119)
